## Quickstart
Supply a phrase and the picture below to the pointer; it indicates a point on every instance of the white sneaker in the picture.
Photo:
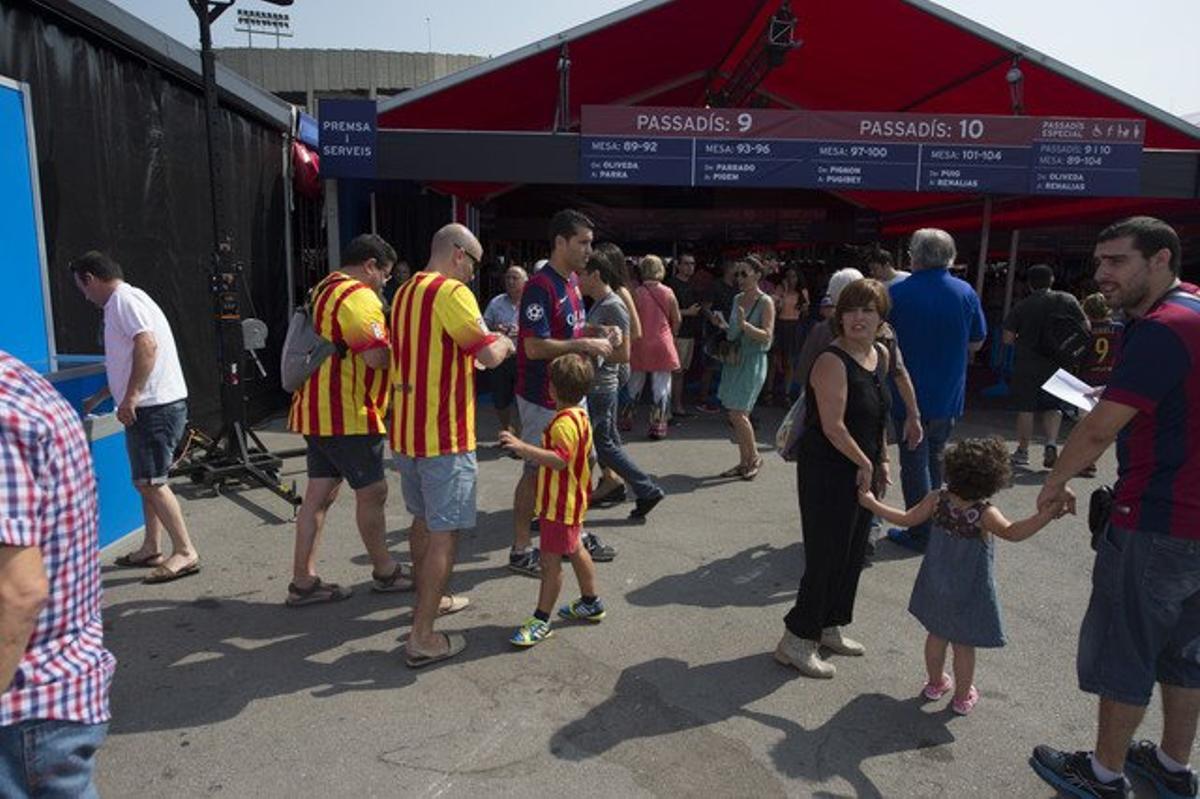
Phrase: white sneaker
(833, 640)
(803, 654)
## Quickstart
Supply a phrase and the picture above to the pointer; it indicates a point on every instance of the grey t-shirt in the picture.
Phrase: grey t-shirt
(608, 311)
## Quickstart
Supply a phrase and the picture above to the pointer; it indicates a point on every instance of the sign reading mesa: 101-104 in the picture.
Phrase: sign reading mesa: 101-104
(845, 150)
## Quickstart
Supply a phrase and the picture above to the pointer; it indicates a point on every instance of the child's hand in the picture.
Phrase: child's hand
(866, 498)
(510, 441)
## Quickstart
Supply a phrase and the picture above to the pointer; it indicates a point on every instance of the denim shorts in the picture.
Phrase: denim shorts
(356, 459)
(534, 421)
(151, 441)
(49, 758)
(1143, 621)
(440, 490)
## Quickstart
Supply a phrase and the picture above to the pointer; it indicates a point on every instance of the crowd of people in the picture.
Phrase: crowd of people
(887, 358)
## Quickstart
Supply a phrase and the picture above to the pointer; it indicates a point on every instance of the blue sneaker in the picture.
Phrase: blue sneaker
(588, 611)
(531, 632)
(906, 539)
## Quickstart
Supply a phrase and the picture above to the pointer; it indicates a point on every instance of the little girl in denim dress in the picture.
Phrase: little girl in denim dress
(954, 596)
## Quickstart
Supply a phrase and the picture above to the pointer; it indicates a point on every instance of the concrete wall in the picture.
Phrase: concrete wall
(317, 73)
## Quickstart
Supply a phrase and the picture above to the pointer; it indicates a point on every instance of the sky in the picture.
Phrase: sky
(1146, 48)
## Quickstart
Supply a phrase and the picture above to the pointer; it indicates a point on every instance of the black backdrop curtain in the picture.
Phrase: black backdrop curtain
(122, 160)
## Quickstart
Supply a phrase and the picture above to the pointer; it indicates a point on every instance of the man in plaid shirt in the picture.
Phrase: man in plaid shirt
(54, 669)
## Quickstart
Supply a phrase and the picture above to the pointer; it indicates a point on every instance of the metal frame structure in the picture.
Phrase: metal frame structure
(235, 454)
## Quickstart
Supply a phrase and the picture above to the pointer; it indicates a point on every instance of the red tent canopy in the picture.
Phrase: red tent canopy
(860, 55)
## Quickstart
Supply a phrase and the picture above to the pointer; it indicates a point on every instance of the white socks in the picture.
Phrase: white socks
(1104, 774)
(1167, 762)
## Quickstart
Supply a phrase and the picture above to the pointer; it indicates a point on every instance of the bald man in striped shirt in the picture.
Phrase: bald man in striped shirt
(438, 336)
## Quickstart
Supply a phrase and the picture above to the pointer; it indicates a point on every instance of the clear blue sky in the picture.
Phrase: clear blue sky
(1146, 47)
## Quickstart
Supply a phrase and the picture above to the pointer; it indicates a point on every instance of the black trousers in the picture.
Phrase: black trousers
(836, 528)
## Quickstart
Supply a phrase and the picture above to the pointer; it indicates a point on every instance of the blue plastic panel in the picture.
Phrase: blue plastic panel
(23, 329)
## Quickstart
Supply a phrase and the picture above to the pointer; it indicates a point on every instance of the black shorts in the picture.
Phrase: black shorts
(1027, 395)
(356, 459)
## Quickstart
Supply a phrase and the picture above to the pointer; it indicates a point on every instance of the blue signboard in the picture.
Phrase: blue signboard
(658, 162)
(307, 130)
(347, 140)
(975, 169)
(835, 150)
(1086, 168)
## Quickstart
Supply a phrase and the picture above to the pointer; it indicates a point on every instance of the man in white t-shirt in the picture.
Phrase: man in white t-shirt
(146, 383)
(882, 267)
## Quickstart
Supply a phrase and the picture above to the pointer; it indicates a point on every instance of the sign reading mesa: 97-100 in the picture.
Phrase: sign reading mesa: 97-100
(846, 150)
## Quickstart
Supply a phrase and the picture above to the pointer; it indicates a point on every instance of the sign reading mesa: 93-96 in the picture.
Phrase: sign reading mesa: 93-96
(348, 132)
(847, 150)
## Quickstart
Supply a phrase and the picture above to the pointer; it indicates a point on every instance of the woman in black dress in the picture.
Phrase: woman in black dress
(842, 449)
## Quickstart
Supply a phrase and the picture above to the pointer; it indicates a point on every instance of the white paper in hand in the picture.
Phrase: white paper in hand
(1069, 388)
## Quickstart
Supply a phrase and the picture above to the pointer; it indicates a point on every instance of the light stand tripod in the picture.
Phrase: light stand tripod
(236, 454)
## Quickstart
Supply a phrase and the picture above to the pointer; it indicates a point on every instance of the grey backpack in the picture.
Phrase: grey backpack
(304, 350)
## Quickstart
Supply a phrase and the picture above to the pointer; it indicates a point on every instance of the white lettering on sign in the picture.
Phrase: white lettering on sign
(348, 151)
(346, 126)
(688, 123)
(902, 128)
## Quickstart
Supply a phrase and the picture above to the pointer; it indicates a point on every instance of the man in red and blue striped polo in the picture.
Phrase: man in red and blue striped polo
(1143, 621)
(54, 669)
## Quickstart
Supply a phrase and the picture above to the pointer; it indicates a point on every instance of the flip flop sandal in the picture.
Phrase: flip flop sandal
(736, 471)
(163, 574)
(396, 581)
(455, 644)
(128, 561)
(318, 593)
(752, 472)
(457, 603)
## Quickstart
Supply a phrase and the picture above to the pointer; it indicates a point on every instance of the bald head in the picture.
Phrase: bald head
(455, 252)
(514, 281)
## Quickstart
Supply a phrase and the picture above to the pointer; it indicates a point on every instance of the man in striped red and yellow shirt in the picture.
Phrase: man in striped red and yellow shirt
(341, 410)
(438, 337)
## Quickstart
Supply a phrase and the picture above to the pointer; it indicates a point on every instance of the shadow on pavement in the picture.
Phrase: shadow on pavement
(190, 664)
(756, 577)
(664, 696)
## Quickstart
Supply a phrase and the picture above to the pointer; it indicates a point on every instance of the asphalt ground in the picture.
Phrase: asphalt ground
(222, 690)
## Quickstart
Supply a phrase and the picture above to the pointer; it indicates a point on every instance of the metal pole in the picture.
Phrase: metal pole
(985, 233)
(1012, 272)
(289, 207)
(333, 232)
(226, 277)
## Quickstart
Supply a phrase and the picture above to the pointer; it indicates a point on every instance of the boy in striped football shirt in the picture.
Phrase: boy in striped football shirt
(563, 488)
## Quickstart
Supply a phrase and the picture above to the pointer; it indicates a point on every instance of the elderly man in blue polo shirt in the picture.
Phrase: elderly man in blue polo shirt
(939, 325)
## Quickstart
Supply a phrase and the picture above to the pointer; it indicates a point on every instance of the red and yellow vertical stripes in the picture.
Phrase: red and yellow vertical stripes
(436, 330)
(344, 396)
(563, 494)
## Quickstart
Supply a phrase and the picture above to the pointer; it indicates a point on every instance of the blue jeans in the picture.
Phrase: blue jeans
(921, 468)
(602, 410)
(49, 759)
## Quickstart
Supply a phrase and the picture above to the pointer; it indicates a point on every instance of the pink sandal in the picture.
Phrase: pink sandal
(934, 692)
(963, 707)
